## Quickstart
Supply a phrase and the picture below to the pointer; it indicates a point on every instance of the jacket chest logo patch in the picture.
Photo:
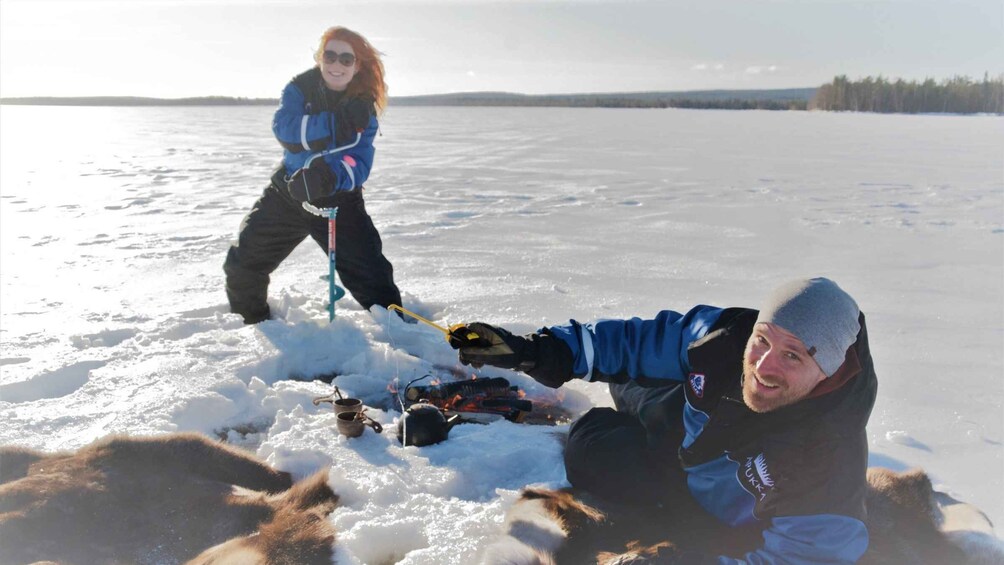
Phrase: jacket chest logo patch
(696, 381)
(755, 477)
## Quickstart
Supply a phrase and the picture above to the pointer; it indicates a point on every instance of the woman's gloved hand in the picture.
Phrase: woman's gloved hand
(311, 183)
(357, 112)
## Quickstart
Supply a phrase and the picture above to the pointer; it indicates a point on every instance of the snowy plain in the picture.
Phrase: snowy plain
(114, 223)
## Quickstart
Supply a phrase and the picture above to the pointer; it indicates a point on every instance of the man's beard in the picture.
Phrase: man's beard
(779, 397)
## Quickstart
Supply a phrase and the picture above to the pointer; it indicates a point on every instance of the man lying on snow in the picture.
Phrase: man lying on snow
(759, 415)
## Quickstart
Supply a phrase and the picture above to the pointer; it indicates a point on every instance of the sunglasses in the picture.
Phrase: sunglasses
(346, 59)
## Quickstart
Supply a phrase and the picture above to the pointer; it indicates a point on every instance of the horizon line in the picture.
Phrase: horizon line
(455, 93)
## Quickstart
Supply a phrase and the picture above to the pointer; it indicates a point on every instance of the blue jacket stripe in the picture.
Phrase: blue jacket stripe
(587, 351)
(303, 133)
(348, 171)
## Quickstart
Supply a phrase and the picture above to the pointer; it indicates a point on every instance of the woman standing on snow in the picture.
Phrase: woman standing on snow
(326, 123)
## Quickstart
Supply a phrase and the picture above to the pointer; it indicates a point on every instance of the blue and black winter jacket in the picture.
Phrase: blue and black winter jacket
(798, 471)
(313, 119)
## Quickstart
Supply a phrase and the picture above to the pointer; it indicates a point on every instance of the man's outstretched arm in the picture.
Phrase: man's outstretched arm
(651, 352)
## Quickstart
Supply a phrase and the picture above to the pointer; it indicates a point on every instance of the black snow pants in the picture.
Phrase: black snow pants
(277, 224)
(628, 455)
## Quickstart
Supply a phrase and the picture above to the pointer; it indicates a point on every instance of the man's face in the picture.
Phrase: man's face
(777, 369)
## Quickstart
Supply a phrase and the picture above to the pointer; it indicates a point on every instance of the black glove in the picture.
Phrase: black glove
(357, 112)
(541, 355)
(493, 346)
(311, 183)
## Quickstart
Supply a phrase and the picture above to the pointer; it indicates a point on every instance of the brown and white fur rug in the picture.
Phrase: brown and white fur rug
(168, 499)
(908, 522)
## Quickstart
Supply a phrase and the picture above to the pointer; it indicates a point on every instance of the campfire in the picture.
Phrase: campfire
(478, 400)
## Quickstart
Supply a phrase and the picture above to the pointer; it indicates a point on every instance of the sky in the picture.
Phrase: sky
(185, 48)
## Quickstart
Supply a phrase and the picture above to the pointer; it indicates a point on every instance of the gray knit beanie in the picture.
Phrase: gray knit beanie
(820, 314)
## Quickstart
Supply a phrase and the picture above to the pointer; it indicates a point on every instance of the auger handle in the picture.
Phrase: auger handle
(448, 332)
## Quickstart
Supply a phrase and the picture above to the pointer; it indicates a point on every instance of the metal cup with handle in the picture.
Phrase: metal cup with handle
(353, 424)
(340, 402)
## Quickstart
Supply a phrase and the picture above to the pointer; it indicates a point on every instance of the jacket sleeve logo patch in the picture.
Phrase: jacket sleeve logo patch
(754, 476)
(696, 381)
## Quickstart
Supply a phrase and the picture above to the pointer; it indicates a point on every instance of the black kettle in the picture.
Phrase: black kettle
(424, 424)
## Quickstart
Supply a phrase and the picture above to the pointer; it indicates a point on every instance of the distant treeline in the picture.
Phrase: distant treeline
(958, 95)
(739, 104)
(779, 99)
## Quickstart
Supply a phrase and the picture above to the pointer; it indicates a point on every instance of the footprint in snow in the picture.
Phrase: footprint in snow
(107, 338)
(52, 384)
(13, 361)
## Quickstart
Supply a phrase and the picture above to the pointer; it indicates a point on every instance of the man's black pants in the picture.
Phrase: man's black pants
(628, 455)
(277, 224)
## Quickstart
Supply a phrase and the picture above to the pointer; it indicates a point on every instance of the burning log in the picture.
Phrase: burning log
(493, 396)
(497, 386)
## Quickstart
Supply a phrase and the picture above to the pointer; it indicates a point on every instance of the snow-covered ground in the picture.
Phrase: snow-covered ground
(114, 223)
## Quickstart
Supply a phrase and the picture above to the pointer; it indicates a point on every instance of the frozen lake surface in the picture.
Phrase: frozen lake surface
(114, 223)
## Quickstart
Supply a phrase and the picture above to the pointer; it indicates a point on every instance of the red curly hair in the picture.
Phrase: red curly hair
(368, 81)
